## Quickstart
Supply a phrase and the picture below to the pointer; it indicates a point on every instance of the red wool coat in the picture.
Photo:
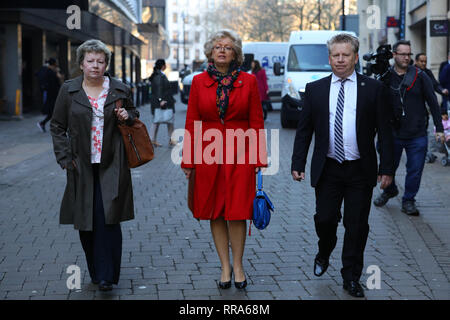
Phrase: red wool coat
(225, 178)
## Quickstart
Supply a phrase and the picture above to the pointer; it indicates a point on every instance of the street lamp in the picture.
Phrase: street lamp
(343, 15)
(183, 16)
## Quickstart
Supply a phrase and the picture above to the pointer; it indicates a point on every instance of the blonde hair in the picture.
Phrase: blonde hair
(225, 33)
(93, 45)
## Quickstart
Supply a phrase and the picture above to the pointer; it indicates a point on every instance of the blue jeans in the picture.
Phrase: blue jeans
(416, 150)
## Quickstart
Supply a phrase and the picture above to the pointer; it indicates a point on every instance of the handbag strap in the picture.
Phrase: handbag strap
(260, 183)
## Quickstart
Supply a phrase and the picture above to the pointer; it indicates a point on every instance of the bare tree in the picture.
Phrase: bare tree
(273, 20)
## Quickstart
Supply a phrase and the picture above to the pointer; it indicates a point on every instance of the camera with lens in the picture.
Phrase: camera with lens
(378, 63)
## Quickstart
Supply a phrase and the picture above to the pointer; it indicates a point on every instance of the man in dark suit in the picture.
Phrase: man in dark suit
(344, 111)
(443, 64)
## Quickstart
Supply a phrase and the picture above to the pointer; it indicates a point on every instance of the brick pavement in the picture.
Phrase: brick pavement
(169, 255)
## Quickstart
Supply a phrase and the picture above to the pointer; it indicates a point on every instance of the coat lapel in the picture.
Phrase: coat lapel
(78, 93)
(361, 92)
(325, 104)
(116, 91)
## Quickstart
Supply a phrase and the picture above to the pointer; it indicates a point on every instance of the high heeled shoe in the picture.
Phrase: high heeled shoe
(241, 285)
(227, 284)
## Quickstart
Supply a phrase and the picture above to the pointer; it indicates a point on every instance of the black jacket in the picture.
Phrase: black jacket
(160, 91)
(372, 116)
(413, 117)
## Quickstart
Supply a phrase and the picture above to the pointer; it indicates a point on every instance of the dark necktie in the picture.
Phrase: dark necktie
(338, 124)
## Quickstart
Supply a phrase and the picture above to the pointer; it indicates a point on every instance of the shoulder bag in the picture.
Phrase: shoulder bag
(138, 146)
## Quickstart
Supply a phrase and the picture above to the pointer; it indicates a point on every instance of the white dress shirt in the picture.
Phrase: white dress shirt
(349, 120)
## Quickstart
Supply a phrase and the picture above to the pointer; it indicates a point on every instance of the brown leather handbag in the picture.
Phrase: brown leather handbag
(138, 146)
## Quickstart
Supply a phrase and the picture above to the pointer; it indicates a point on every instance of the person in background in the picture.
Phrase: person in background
(421, 63)
(444, 78)
(263, 87)
(444, 63)
(410, 90)
(161, 98)
(88, 145)
(50, 80)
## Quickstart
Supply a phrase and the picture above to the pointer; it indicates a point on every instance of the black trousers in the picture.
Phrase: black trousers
(103, 245)
(343, 183)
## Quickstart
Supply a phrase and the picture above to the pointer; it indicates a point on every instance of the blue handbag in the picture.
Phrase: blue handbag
(261, 206)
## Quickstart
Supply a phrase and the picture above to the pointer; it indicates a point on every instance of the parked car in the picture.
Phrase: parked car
(187, 82)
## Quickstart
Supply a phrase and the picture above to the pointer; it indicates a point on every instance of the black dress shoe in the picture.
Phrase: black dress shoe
(227, 284)
(354, 289)
(320, 266)
(105, 286)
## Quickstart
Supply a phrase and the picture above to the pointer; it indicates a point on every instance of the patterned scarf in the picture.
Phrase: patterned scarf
(225, 86)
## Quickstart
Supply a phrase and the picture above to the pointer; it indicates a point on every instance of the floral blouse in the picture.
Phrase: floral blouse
(98, 121)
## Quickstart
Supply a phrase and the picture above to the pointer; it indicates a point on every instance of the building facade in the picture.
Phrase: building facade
(188, 28)
(380, 23)
(33, 31)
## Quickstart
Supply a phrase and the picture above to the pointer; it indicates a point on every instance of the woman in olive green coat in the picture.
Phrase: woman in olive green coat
(88, 143)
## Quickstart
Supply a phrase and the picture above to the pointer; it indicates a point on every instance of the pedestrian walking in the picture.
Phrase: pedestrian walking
(88, 145)
(421, 63)
(263, 87)
(444, 63)
(344, 112)
(50, 80)
(161, 99)
(444, 78)
(410, 88)
(222, 100)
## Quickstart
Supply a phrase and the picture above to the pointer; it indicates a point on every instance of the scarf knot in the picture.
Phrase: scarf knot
(225, 85)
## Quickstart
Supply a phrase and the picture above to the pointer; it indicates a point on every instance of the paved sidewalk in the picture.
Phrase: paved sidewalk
(169, 255)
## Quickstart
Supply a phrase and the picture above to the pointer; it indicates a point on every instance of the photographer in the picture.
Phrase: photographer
(410, 89)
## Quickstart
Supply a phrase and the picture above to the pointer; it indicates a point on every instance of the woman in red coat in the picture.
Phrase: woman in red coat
(263, 87)
(224, 143)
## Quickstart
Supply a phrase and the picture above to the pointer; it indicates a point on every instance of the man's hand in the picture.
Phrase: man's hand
(298, 176)
(163, 103)
(440, 137)
(385, 181)
(445, 92)
(187, 172)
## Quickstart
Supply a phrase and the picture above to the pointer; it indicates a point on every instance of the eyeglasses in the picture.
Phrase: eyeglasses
(219, 48)
(404, 54)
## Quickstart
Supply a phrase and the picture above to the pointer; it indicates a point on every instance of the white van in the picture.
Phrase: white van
(307, 61)
(267, 53)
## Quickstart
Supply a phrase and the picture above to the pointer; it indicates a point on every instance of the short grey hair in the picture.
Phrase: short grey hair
(93, 45)
(344, 38)
(225, 33)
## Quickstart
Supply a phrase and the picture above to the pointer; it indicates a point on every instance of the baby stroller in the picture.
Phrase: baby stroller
(445, 146)
(445, 161)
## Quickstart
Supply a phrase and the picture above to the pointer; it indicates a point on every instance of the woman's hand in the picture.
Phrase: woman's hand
(187, 172)
(73, 164)
(122, 114)
(163, 103)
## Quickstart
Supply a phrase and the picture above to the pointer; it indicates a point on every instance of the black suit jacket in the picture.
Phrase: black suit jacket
(373, 115)
(441, 67)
